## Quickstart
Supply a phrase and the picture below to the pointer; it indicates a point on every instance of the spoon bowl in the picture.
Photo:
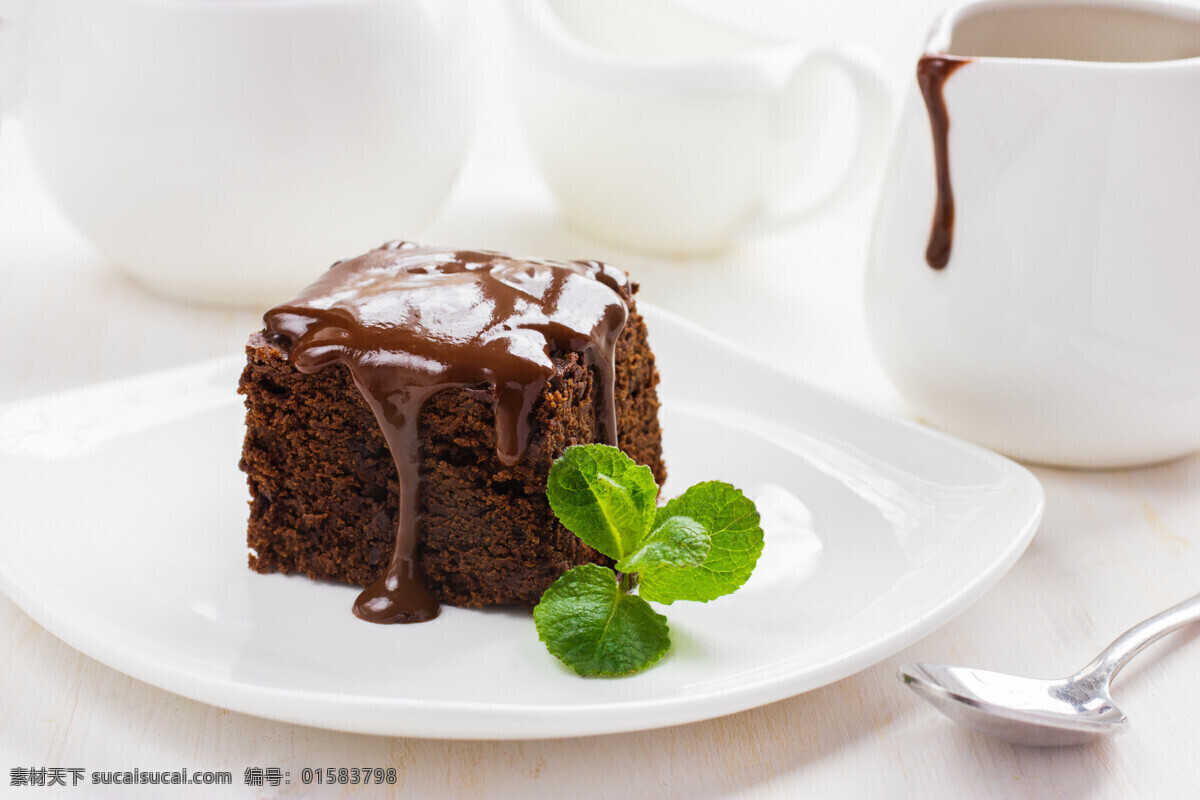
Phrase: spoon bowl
(1028, 711)
(1044, 713)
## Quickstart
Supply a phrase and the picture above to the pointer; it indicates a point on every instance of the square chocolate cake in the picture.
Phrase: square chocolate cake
(402, 414)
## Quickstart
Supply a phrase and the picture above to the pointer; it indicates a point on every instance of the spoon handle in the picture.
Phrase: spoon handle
(1106, 665)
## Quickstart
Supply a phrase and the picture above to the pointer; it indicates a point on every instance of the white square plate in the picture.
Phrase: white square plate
(124, 535)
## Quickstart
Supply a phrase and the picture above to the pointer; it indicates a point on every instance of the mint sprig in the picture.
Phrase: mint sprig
(699, 546)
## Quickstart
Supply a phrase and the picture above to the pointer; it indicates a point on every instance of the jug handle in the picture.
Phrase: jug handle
(784, 205)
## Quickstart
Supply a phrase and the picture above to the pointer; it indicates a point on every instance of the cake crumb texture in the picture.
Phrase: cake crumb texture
(324, 490)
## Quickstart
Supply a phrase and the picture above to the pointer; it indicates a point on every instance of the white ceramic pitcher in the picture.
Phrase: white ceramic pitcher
(1039, 291)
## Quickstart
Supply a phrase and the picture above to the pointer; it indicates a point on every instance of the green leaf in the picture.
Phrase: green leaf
(737, 541)
(588, 622)
(675, 541)
(603, 497)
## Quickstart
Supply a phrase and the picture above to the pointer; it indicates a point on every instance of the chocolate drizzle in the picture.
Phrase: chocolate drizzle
(411, 321)
(932, 72)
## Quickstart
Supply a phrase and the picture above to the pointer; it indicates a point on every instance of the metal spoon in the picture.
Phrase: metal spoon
(1044, 713)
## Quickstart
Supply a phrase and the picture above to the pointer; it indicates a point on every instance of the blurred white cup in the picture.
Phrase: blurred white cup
(229, 150)
(668, 132)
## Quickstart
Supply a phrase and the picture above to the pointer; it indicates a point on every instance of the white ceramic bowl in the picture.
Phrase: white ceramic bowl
(229, 150)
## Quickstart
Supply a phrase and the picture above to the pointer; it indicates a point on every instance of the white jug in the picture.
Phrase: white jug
(1034, 276)
(666, 132)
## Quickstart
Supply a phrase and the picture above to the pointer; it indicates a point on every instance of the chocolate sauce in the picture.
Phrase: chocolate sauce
(411, 321)
(932, 72)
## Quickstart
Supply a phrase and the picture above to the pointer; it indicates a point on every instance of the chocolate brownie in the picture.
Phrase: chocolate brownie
(324, 484)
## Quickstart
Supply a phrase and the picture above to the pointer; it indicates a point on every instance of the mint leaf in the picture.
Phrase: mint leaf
(699, 546)
(591, 624)
(675, 541)
(737, 540)
(603, 497)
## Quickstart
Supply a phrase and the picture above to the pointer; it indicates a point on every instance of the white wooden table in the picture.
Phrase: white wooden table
(1114, 547)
